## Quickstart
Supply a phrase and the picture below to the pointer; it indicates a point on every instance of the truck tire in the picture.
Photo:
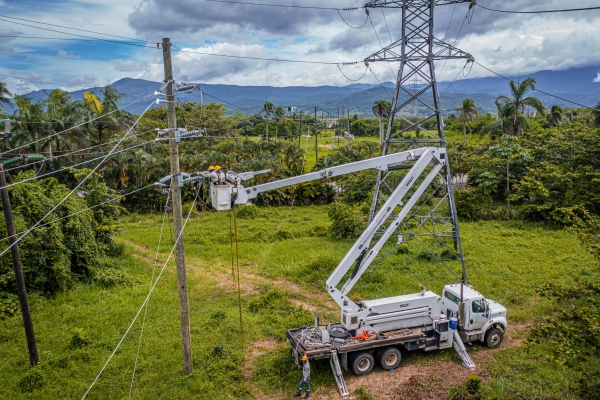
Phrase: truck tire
(362, 363)
(494, 338)
(338, 331)
(389, 358)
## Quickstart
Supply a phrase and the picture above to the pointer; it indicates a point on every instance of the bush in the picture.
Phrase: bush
(470, 390)
(79, 338)
(9, 305)
(347, 221)
(32, 380)
(249, 211)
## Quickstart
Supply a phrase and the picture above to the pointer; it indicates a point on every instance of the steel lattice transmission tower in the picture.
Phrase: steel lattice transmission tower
(433, 222)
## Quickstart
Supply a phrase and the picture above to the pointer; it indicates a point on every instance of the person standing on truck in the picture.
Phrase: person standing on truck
(220, 175)
(214, 176)
(305, 378)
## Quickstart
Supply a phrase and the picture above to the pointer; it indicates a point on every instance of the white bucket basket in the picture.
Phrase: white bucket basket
(220, 196)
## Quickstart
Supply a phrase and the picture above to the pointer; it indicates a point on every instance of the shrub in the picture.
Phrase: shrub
(31, 381)
(347, 221)
(79, 338)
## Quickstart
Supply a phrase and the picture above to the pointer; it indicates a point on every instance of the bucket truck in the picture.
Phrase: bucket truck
(375, 330)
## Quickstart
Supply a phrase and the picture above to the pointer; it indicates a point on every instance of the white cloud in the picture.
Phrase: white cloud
(597, 80)
(66, 56)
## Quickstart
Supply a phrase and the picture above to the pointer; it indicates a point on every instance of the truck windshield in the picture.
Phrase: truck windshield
(451, 297)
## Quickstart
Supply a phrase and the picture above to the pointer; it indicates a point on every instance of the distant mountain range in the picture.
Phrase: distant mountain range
(575, 84)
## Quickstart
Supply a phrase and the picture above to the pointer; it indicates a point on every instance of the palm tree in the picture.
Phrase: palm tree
(381, 109)
(468, 113)
(513, 106)
(279, 115)
(105, 110)
(555, 115)
(268, 109)
(5, 95)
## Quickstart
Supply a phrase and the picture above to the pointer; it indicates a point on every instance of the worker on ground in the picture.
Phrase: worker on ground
(220, 174)
(214, 177)
(305, 378)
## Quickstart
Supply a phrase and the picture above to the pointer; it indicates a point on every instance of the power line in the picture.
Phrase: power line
(55, 38)
(29, 80)
(76, 126)
(76, 187)
(74, 29)
(75, 34)
(353, 27)
(540, 11)
(146, 300)
(77, 165)
(205, 66)
(268, 59)
(538, 90)
(282, 5)
(84, 210)
(78, 152)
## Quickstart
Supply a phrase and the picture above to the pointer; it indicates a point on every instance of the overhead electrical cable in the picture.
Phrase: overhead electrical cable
(29, 80)
(266, 59)
(74, 165)
(353, 27)
(380, 44)
(162, 270)
(539, 11)
(205, 66)
(84, 210)
(282, 5)
(353, 80)
(55, 38)
(74, 29)
(76, 126)
(75, 34)
(137, 355)
(72, 153)
(76, 187)
(538, 90)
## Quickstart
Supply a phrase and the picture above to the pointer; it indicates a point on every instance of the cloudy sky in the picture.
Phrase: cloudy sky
(48, 57)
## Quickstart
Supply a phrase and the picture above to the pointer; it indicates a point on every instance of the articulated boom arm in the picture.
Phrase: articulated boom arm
(360, 251)
(383, 163)
(360, 254)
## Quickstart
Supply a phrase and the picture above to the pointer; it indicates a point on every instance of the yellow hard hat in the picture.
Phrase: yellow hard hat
(304, 358)
(211, 167)
(217, 168)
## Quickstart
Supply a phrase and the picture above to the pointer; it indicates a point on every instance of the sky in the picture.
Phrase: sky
(510, 44)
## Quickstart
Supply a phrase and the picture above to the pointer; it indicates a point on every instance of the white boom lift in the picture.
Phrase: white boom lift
(374, 329)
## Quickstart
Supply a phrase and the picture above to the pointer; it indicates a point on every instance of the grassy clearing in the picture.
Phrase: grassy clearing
(282, 275)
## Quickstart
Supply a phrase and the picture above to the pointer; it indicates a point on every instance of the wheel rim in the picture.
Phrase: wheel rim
(363, 364)
(391, 359)
(495, 339)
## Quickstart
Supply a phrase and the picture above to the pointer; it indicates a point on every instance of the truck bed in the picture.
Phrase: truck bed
(413, 340)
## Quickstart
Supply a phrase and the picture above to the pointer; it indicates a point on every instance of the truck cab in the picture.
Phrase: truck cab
(480, 319)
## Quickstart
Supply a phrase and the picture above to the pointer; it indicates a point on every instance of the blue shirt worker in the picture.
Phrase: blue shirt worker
(305, 378)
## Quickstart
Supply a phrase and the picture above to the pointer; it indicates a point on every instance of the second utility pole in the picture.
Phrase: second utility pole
(316, 139)
(186, 340)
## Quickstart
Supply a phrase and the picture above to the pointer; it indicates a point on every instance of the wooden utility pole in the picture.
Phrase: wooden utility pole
(16, 259)
(316, 139)
(186, 340)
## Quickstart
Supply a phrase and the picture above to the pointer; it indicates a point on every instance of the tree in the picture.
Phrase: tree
(509, 149)
(555, 115)
(381, 109)
(268, 109)
(5, 95)
(596, 115)
(511, 109)
(279, 115)
(468, 113)
(107, 113)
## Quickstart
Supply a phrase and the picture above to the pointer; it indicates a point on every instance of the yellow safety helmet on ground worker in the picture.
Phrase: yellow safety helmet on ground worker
(304, 358)
(217, 168)
(211, 168)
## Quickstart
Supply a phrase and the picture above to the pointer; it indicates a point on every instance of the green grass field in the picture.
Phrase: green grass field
(285, 257)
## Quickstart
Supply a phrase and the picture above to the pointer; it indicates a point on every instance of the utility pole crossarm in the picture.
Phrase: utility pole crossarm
(409, 3)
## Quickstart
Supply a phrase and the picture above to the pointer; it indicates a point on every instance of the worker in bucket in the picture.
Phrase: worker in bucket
(305, 378)
(213, 175)
(220, 175)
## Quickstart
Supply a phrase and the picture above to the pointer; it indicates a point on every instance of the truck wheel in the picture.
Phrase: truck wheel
(362, 363)
(389, 358)
(494, 338)
(338, 331)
